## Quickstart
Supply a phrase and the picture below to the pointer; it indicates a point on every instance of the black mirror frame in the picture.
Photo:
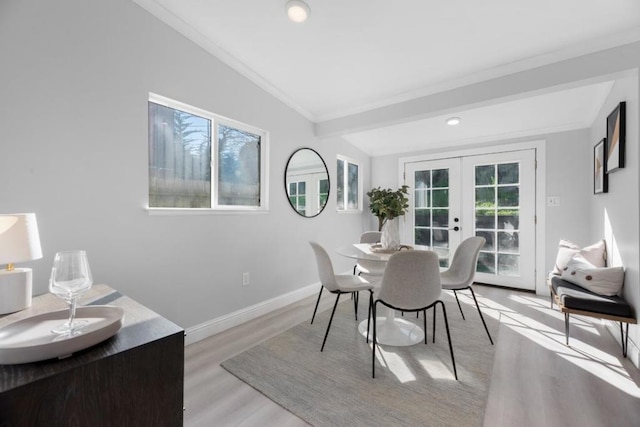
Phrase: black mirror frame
(286, 189)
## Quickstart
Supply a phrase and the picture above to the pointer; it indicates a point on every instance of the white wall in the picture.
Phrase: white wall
(74, 84)
(616, 214)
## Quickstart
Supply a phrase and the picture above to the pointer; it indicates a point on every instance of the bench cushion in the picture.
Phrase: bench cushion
(577, 298)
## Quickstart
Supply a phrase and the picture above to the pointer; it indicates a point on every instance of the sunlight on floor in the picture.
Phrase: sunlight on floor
(395, 364)
(436, 368)
(548, 332)
(433, 366)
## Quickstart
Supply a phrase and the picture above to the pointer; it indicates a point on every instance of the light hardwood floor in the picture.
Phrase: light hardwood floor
(536, 380)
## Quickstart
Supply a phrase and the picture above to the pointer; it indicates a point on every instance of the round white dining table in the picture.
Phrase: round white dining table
(390, 330)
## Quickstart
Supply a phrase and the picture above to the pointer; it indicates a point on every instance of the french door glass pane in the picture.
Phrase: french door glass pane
(508, 241)
(423, 179)
(422, 198)
(508, 173)
(179, 159)
(508, 219)
(485, 175)
(423, 217)
(423, 236)
(498, 186)
(238, 167)
(489, 237)
(508, 265)
(508, 196)
(441, 178)
(431, 224)
(440, 198)
(486, 263)
(440, 218)
(485, 197)
(485, 219)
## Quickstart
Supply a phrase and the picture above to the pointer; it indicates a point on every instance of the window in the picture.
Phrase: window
(348, 186)
(200, 160)
(298, 196)
(323, 193)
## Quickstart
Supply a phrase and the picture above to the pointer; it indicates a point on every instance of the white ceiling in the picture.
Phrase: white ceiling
(553, 112)
(355, 55)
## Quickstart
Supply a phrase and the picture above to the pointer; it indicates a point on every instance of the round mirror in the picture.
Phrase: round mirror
(306, 181)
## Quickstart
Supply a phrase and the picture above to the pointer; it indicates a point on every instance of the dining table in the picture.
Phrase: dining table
(390, 329)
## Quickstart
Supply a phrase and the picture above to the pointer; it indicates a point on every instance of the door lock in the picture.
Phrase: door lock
(456, 228)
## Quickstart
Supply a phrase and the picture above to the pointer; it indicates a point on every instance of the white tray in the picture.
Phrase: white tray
(30, 340)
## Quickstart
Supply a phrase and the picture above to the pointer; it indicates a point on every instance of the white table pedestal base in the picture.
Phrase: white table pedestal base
(393, 331)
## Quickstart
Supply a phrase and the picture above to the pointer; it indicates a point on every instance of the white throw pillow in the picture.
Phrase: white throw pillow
(595, 254)
(599, 280)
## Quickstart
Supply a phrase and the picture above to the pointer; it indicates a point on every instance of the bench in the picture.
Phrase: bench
(573, 299)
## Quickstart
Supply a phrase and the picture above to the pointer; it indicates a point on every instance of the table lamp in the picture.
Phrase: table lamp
(19, 242)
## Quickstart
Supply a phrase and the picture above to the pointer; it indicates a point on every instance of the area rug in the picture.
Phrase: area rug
(414, 386)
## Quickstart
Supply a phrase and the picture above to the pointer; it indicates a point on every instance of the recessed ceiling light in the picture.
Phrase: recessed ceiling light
(297, 10)
(453, 121)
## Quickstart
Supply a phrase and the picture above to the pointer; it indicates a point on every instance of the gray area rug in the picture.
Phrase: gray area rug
(414, 386)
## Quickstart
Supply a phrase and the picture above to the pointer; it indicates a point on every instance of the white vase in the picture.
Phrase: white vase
(390, 238)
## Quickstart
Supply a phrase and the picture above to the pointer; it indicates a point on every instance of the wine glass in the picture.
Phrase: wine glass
(70, 278)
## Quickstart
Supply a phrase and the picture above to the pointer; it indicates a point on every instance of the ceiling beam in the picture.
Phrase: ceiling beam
(586, 69)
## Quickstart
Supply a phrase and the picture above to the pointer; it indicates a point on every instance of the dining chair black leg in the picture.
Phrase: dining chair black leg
(480, 313)
(354, 296)
(369, 314)
(566, 328)
(446, 325)
(373, 343)
(329, 325)
(459, 306)
(317, 302)
(424, 314)
(434, 323)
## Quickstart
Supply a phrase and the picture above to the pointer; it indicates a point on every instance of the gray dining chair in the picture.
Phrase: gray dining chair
(337, 284)
(365, 266)
(462, 271)
(411, 282)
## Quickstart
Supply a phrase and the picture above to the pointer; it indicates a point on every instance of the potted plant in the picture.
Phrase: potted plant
(387, 205)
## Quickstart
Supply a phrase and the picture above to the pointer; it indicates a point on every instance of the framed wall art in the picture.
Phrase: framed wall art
(600, 182)
(616, 138)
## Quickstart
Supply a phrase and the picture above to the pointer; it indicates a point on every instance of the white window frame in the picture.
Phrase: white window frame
(215, 121)
(345, 180)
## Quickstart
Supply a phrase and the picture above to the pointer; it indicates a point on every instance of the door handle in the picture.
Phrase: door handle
(456, 228)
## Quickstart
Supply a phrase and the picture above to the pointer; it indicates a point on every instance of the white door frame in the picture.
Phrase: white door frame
(540, 149)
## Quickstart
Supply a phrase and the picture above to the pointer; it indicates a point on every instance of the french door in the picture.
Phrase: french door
(490, 195)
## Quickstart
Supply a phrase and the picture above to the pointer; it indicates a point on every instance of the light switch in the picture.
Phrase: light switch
(553, 200)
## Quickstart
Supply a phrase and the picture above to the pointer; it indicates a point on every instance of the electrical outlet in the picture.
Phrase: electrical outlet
(245, 279)
(553, 201)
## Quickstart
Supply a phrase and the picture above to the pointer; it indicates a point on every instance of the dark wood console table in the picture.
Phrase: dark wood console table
(135, 378)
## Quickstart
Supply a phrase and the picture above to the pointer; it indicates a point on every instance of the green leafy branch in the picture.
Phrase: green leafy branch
(388, 204)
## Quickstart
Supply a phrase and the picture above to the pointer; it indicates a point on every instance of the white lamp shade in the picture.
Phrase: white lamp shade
(19, 238)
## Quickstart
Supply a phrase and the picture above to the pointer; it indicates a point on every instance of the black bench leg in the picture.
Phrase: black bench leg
(624, 340)
(566, 327)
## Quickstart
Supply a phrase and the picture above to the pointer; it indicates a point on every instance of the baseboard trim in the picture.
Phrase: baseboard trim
(219, 324)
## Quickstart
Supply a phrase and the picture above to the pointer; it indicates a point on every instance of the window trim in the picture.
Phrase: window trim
(216, 120)
(345, 180)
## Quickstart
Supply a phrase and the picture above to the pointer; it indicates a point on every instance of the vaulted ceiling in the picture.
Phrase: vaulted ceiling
(353, 56)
